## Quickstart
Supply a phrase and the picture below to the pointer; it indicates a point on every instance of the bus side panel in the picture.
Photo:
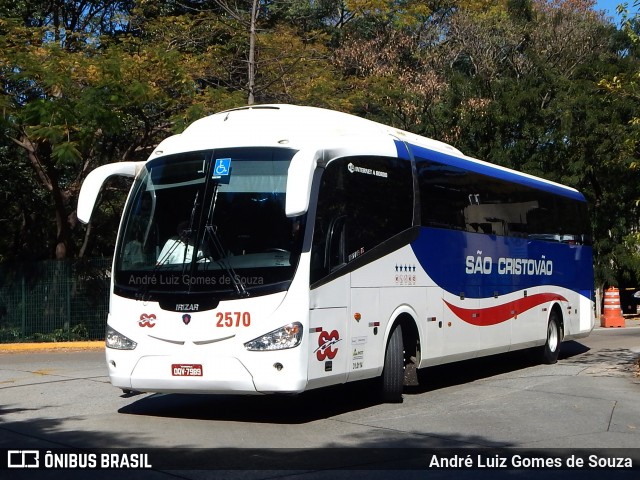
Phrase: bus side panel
(381, 291)
(366, 327)
(434, 328)
(328, 346)
(528, 326)
(499, 290)
(352, 317)
(461, 338)
(586, 312)
(373, 312)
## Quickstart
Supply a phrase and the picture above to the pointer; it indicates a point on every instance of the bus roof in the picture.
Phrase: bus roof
(497, 171)
(284, 125)
(302, 127)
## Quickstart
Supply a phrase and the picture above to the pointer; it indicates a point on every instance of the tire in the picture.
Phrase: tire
(392, 379)
(551, 347)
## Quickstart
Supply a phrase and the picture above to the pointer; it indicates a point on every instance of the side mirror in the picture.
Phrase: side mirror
(299, 178)
(93, 183)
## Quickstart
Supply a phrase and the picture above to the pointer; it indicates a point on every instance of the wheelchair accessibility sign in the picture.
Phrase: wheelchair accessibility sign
(222, 167)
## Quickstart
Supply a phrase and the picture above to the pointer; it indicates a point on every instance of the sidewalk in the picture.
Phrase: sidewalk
(50, 346)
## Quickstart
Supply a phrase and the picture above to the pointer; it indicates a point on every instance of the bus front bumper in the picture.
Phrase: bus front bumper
(217, 375)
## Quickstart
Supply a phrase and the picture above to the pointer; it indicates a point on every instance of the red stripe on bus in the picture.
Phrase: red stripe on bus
(484, 317)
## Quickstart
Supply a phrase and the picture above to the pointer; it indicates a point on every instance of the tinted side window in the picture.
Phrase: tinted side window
(458, 199)
(362, 202)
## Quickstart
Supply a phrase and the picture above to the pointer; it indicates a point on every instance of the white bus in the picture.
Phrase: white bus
(278, 248)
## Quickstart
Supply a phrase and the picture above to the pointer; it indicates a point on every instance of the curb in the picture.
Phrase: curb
(99, 345)
(49, 346)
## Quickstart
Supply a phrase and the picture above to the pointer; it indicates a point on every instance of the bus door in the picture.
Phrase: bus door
(328, 344)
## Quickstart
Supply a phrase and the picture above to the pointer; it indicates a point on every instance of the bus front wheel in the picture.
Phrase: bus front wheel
(551, 348)
(393, 372)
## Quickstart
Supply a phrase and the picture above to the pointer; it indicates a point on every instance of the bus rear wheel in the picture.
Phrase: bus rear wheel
(392, 379)
(551, 348)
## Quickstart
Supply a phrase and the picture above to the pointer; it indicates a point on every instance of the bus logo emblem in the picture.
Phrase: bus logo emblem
(147, 320)
(326, 341)
(186, 319)
(187, 307)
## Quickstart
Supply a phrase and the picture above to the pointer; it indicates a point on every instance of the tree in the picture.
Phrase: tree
(389, 58)
(73, 100)
(503, 84)
(88, 82)
(43, 63)
(621, 260)
(71, 105)
(535, 104)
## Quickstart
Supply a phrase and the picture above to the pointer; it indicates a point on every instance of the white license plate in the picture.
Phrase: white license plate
(178, 370)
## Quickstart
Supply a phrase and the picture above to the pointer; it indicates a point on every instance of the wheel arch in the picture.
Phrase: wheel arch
(557, 309)
(550, 350)
(406, 318)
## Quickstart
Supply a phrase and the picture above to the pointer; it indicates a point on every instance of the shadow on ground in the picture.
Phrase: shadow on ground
(329, 401)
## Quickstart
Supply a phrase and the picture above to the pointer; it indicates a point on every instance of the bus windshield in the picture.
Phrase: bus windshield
(209, 222)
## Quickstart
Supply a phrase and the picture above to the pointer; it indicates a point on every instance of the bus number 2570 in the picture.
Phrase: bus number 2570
(233, 319)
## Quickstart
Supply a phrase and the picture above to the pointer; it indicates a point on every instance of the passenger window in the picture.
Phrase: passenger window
(362, 202)
(459, 199)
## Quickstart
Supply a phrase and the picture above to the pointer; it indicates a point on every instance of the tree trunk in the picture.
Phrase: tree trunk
(48, 177)
(251, 83)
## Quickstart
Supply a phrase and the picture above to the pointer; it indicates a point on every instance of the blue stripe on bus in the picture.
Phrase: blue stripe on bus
(510, 176)
(444, 255)
(401, 149)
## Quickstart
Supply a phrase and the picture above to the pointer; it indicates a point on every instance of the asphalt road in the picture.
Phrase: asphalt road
(507, 406)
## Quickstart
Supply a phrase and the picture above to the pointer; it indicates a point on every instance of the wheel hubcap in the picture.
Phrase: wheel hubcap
(553, 336)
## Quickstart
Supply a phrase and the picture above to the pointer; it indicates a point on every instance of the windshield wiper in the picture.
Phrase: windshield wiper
(194, 254)
(183, 240)
(214, 239)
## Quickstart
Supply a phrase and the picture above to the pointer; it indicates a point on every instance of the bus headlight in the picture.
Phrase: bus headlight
(117, 341)
(288, 336)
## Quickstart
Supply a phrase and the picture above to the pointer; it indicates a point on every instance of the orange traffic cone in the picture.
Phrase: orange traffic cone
(612, 313)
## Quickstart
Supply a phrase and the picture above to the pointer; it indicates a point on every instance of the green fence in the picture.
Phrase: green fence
(54, 301)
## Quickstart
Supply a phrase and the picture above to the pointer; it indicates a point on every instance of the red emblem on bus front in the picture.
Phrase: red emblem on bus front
(326, 341)
(147, 320)
(186, 318)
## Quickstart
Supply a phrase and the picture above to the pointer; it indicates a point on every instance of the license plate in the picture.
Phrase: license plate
(186, 370)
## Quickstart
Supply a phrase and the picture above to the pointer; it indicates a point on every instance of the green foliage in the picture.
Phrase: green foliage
(549, 88)
(14, 335)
